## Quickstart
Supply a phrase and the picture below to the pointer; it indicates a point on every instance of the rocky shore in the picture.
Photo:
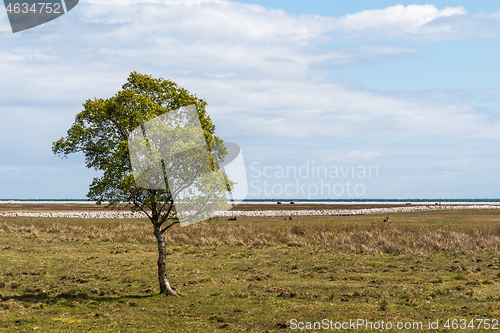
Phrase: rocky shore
(258, 213)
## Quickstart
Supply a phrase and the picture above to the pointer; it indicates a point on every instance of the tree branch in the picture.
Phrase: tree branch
(168, 227)
(142, 209)
(119, 128)
(165, 216)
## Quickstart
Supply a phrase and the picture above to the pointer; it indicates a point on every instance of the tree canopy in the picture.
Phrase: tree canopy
(102, 130)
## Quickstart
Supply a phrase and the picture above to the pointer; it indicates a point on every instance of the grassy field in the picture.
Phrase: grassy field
(252, 275)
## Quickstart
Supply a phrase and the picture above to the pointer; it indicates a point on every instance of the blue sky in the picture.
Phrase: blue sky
(409, 89)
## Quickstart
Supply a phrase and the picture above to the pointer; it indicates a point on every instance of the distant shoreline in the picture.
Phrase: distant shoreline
(7, 208)
(295, 201)
(244, 210)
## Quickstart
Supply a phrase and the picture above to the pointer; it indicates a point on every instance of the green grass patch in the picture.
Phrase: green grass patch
(253, 274)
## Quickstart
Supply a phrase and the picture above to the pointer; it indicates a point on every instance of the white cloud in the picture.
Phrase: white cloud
(354, 154)
(31, 169)
(20, 55)
(218, 39)
(239, 23)
(238, 55)
(318, 111)
(208, 20)
(397, 21)
(264, 73)
(4, 23)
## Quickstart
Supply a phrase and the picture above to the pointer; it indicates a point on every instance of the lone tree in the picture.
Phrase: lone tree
(101, 131)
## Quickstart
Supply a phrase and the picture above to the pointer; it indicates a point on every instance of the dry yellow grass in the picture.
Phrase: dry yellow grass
(356, 238)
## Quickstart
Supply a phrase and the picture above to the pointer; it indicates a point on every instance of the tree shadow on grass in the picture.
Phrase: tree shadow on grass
(42, 297)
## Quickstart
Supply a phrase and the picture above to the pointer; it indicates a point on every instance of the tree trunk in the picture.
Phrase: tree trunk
(162, 264)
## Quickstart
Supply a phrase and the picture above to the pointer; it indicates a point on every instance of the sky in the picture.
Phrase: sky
(327, 99)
